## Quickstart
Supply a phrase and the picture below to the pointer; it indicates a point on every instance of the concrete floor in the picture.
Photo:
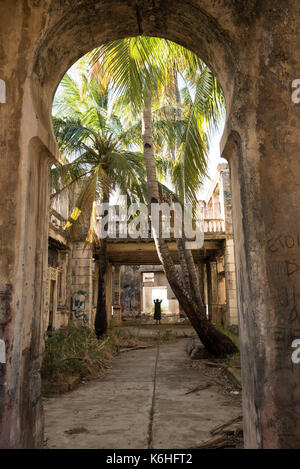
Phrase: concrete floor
(142, 403)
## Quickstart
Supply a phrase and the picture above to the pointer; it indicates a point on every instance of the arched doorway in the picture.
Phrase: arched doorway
(239, 43)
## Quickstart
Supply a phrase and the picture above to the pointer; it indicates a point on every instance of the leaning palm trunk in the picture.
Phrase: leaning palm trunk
(189, 297)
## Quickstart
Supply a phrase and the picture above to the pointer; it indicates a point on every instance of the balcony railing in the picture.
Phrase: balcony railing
(209, 225)
(214, 225)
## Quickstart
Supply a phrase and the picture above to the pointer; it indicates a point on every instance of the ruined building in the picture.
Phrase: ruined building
(71, 281)
(140, 283)
(131, 286)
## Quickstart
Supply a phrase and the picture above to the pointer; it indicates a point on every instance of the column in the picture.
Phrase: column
(230, 278)
(147, 301)
(221, 291)
(117, 307)
(81, 284)
(212, 289)
(108, 293)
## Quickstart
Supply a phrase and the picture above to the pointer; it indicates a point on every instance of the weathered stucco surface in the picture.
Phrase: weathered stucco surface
(253, 47)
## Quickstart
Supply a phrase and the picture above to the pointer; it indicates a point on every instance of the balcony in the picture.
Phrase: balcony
(214, 225)
(56, 219)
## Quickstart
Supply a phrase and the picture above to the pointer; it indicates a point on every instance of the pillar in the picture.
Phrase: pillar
(147, 301)
(221, 317)
(116, 305)
(108, 293)
(81, 268)
(23, 284)
(212, 290)
(230, 279)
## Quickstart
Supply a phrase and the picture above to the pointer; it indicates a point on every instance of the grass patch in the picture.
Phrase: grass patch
(232, 335)
(232, 360)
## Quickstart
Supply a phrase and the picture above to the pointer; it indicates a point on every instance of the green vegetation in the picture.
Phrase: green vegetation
(76, 351)
(232, 335)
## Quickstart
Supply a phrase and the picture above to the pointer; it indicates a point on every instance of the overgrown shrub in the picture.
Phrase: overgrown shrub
(76, 351)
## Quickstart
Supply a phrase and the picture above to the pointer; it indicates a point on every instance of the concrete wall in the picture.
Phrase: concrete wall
(230, 275)
(71, 293)
(136, 294)
(218, 208)
(130, 292)
(81, 281)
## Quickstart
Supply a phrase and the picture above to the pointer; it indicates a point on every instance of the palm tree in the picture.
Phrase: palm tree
(140, 68)
(98, 159)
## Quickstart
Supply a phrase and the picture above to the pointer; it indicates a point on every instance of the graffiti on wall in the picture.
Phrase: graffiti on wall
(284, 269)
(78, 306)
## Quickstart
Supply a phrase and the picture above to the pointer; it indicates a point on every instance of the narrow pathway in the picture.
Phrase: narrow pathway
(141, 403)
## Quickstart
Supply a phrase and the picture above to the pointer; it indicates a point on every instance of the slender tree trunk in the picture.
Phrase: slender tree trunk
(214, 341)
(188, 266)
(152, 186)
(101, 314)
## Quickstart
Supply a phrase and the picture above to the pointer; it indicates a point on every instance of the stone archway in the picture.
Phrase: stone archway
(254, 55)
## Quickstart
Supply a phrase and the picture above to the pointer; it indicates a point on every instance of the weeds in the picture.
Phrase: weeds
(76, 351)
(165, 335)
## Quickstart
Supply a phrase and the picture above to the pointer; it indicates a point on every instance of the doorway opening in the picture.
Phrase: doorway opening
(132, 278)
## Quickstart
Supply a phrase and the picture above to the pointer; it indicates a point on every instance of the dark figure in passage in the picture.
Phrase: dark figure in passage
(157, 311)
